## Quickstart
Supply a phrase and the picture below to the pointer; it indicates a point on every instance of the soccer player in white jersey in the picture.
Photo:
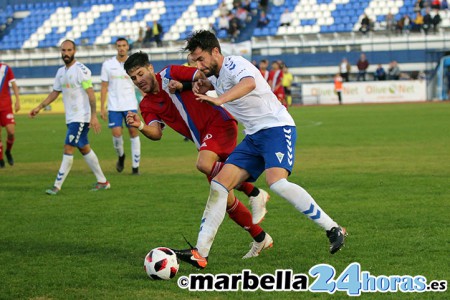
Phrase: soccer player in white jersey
(119, 89)
(74, 82)
(268, 145)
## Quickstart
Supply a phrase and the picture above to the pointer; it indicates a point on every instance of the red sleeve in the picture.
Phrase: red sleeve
(182, 73)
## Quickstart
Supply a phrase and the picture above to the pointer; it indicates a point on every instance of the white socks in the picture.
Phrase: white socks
(135, 151)
(64, 170)
(93, 163)
(212, 217)
(303, 202)
(118, 145)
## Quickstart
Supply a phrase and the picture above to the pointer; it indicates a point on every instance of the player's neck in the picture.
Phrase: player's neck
(121, 59)
(70, 64)
(220, 64)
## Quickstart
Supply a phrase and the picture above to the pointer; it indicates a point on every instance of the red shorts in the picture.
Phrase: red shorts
(220, 138)
(6, 117)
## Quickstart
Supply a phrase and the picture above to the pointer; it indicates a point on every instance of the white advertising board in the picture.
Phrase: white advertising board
(366, 92)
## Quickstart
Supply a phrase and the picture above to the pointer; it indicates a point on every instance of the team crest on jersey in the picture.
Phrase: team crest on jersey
(165, 82)
(280, 156)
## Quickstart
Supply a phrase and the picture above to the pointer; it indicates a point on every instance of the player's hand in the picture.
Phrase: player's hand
(212, 100)
(95, 124)
(104, 114)
(34, 112)
(174, 86)
(201, 86)
(133, 119)
(17, 107)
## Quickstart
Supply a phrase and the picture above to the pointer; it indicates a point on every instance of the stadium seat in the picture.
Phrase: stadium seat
(97, 15)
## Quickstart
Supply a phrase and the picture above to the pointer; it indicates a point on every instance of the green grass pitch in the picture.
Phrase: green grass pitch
(382, 171)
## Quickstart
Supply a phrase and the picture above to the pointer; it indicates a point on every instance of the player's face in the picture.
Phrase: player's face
(206, 62)
(263, 65)
(122, 48)
(67, 53)
(144, 78)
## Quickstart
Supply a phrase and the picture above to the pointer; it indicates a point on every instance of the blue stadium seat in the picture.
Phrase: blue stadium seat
(257, 32)
(222, 34)
(345, 15)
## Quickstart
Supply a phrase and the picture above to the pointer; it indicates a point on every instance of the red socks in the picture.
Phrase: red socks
(246, 187)
(240, 214)
(9, 143)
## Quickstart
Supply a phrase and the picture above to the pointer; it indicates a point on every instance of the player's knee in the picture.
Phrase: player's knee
(68, 149)
(10, 130)
(203, 167)
(85, 149)
(134, 132)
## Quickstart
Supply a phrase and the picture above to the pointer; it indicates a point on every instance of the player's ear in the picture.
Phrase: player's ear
(151, 69)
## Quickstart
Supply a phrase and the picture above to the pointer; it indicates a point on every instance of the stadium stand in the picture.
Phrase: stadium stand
(321, 33)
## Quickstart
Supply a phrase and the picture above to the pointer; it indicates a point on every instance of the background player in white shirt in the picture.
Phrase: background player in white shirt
(268, 145)
(119, 89)
(74, 81)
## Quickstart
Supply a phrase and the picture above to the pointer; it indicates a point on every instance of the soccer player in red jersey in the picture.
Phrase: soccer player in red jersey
(212, 129)
(276, 82)
(6, 112)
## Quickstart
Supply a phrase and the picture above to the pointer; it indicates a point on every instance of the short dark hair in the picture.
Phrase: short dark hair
(203, 39)
(73, 43)
(121, 39)
(136, 60)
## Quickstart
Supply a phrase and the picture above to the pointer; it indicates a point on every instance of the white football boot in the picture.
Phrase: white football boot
(256, 247)
(258, 204)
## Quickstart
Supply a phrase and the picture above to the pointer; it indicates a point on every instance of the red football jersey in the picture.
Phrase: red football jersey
(6, 76)
(265, 74)
(275, 78)
(181, 111)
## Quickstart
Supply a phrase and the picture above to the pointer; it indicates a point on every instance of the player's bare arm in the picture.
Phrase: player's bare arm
(152, 131)
(50, 98)
(103, 95)
(94, 123)
(16, 94)
(245, 86)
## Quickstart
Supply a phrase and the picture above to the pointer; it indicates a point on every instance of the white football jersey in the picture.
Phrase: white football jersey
(72, 82)
(259, 109)
(121, 94)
